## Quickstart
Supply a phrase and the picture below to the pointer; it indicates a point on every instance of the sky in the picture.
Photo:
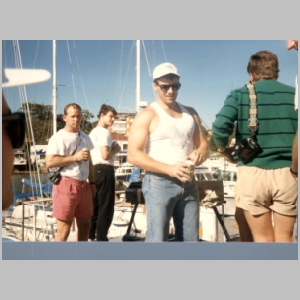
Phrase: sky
(93, 72)
(159, 20)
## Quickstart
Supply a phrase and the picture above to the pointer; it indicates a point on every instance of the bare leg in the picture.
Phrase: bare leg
(244, 229)
(83, 226)
(261, 227)
(283, 227)
(63, 230)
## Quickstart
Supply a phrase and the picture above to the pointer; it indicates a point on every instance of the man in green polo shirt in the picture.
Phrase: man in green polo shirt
(266, 190)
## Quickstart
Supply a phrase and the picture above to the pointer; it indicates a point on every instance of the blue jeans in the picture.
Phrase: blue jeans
(167, 197)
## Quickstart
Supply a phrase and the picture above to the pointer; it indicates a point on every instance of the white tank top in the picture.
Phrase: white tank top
(172, 141)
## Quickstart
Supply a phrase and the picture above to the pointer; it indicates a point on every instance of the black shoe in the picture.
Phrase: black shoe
(171, 237)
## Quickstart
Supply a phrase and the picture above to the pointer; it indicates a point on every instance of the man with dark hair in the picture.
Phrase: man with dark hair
(266, 191)
(13, 124)
(69, 149)
(162, 137)
(102, 157)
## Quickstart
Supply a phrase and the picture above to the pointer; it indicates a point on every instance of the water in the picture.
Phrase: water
(17, 184)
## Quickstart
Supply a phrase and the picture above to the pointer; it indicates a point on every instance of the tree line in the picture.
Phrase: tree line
(42, 124)
(42, 121)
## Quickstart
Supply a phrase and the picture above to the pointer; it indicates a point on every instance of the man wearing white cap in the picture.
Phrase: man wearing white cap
(13, 124)
(162, 137)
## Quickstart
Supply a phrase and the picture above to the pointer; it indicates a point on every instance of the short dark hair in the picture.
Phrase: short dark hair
(106, 109)
(170, 76)
(263, 65)
(74, 105)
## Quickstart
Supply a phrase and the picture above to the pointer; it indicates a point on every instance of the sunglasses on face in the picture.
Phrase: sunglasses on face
(15, 128)
(166, 87)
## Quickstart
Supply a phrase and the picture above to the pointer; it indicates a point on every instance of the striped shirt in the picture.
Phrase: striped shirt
(277, 119)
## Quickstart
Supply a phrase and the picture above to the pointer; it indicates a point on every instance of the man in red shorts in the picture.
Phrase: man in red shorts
(69, 149)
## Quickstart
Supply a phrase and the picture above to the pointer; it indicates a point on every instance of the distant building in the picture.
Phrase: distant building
(122, 123)
(120, 131)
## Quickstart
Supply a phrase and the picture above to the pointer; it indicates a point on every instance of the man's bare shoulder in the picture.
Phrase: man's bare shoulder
(145, 115)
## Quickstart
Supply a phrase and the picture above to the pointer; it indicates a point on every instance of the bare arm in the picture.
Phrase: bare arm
(108, 153)
(58, 161)
(294, 166)
(200, 154)
(226, 152)
(144, 123)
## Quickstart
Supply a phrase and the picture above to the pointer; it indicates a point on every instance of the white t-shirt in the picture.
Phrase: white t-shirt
(100, 137)
(64, 143)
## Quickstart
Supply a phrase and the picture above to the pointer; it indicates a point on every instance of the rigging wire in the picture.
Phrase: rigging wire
(149, 72)
(80, 75)
(162, 45)
(128, 64)
(23, 99)
(154, 61)
(107, 83)
(71, 65)
(36, 54)
(153, 91)
(120, 71)
(47, 123)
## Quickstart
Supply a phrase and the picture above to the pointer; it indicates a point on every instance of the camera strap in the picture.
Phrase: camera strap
(252, 121)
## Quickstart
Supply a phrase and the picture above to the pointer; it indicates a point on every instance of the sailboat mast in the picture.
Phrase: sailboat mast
(138, 76)
(54, 87)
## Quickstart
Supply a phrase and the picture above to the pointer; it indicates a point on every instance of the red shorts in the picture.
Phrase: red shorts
(72, 198)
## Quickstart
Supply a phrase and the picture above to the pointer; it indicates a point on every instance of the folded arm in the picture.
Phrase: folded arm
(58, 161)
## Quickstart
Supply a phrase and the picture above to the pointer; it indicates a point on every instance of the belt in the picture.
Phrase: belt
(97, 164)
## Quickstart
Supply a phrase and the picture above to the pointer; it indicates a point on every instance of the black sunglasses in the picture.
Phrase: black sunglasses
(15, 128)
(166, 87)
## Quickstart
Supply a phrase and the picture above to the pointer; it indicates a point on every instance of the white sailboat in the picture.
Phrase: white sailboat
(32, 220)
(20, 160)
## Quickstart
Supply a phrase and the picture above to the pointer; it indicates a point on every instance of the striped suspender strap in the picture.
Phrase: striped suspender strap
(252, 121)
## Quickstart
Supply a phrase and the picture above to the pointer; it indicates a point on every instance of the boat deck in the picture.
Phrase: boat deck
(210, 229)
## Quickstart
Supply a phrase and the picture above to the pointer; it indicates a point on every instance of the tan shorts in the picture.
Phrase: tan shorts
(259, 191)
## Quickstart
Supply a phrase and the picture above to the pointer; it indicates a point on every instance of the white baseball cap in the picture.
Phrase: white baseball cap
(164, 69)
(17, 77)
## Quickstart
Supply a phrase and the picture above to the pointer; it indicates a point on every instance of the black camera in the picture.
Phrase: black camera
(54, 177)
(246, 149)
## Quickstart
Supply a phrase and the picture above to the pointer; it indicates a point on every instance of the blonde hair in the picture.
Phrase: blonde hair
(74, 105)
